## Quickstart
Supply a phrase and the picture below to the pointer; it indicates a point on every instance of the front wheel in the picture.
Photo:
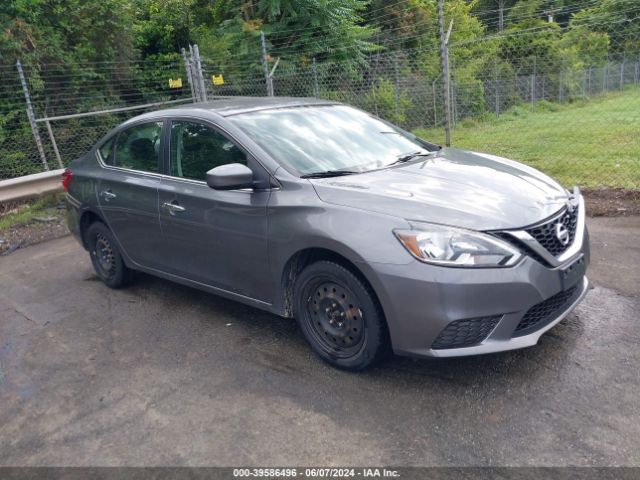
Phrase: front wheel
(106, 258)
(339, 316)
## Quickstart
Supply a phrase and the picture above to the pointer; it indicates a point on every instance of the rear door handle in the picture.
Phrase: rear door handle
(173, 207)
(108, 195)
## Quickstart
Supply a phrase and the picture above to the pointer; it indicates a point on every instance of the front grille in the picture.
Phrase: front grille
(465, 333)
(544, 312)
(546, 236)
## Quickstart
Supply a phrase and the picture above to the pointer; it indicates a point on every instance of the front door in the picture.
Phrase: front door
(128, 191)
(212, 236)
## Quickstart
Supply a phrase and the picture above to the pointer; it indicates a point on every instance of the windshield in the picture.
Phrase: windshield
(328, 138)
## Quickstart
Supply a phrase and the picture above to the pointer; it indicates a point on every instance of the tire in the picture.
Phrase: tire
(339, 316)
(106, 258)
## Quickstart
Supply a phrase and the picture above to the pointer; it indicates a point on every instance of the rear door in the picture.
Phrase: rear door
(128, 190)
(211, 236)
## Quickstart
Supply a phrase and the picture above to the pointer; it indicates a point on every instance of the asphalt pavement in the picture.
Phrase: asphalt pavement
(161, 374)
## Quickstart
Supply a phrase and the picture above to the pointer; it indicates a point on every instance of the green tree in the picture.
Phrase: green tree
(618, 19)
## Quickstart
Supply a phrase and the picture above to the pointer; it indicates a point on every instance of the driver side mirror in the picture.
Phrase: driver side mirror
(232, 176)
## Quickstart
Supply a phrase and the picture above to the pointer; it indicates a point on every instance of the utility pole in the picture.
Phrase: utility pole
(444, 57)
(500, 15)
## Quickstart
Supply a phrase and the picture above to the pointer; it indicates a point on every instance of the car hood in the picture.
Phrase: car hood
(453, 187)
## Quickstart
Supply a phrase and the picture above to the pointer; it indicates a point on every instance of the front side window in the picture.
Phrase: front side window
(328, 137)
(138, 147)
(197, 148)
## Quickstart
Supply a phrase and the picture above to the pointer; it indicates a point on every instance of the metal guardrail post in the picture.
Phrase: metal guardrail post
(31, 116)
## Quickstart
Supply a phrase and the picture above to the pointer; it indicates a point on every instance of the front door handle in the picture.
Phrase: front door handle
(173, 207)
(108, 195)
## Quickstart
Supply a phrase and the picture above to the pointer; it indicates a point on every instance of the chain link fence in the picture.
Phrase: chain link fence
(573, 114)
(73, 106)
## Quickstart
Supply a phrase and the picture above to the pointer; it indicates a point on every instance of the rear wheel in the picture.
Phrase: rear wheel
(106, 258)
(339, 316)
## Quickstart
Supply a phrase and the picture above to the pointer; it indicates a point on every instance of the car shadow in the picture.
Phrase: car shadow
(276, 343)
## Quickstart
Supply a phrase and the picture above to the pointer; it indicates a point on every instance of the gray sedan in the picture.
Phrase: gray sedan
(373, 239)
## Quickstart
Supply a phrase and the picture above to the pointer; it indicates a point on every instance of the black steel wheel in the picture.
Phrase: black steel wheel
(102, 254)
(334, 316)
(106, 258)
(339, 316)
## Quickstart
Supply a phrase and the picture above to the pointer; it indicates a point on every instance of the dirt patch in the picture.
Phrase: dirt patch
(31, 233)
(30, 223)
(612, 202)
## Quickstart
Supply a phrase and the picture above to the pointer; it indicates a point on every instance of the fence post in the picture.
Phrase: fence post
(265, 66)
(200, 79)
(396, 83)
(622, 73)
(454, 104)
(605, 74)
(31, 116)
(561, 84)
(187, 68)
(496, 86)
(192, 67)
(444, 57)
(533, 86)
(435, 106)
(314, 71)
(54, 144)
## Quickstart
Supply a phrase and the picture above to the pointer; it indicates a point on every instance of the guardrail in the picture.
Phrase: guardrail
(30, 186)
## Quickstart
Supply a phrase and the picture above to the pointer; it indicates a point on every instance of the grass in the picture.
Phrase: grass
(592, 143)
(42, 207)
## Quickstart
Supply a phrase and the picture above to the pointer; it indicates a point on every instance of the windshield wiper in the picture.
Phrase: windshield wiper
(329, 173)
(410, 156)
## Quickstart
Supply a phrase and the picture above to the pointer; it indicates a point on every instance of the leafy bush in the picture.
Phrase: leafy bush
(385, 102)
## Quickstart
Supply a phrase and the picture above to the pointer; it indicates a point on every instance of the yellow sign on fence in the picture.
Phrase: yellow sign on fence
(217, 79)
(177, 83)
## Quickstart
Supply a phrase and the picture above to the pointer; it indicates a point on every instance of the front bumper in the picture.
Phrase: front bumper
(420, 301)
(494, 342)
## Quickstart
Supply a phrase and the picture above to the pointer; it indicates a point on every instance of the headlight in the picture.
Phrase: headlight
(454, 247)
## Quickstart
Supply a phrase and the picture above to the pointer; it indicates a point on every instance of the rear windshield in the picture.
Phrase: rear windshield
(329, 137)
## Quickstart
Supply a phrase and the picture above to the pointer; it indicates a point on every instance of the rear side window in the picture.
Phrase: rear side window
(197, 148)
(138, 147)
(106, 149)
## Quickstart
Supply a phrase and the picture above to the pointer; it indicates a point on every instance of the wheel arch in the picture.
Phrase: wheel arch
(307, 256)
(87, 218)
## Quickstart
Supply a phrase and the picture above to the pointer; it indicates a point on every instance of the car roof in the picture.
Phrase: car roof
(227, 106)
